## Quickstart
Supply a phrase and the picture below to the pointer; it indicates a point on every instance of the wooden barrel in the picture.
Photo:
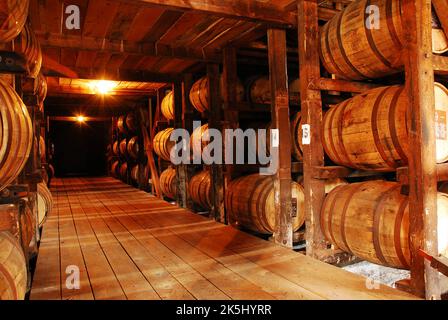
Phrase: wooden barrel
(42, 87)
(123, 147)
(31, 50)
(369, 131)
(131, 123)
(249, 202)
(296, 137)
(27, 227)
(123, 171)
(135, 173)
(371, 220)
(16, 135)
(330, 184)
(200, 189)
(162, 144)
(44, 203)
(168, 183)
(199, 139)
(351, 50)
(121, 124)
(116, 148)
(167, 107)
(42, 150)
(199, 93)
(260, 90)
(133, 147)
(114, 170)
(13, 271)
(13, 15)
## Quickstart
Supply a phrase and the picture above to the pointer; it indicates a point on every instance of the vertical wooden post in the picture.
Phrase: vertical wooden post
(187, 123)
(278, 75)
(214, 101)
(417, 57)
(181, 176)
(311, 104)
(229, 92)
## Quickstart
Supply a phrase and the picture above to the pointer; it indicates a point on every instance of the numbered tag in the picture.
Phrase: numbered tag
(275, 138)
(306, 136)
(294, 207)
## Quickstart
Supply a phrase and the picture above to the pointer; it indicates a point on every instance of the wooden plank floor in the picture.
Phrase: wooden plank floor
(128, 244)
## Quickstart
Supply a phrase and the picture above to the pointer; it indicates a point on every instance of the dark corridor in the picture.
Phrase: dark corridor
(80, 148)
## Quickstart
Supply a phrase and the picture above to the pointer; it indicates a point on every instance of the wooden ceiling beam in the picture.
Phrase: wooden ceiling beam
(64, 90)
(119, 75)
(120, 47)
(250, 10)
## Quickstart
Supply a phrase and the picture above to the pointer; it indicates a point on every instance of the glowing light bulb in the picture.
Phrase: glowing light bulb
(102, 86)
(81, 119)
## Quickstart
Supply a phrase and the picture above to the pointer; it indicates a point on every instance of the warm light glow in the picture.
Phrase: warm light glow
(102, 86)
(81, 119)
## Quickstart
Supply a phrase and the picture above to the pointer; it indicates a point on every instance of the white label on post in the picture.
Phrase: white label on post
(306, 134)
(275, 138)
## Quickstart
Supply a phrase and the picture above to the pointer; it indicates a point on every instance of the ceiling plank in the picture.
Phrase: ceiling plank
(115, 46)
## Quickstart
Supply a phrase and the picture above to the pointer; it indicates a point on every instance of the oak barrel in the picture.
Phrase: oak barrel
(116, 148)
(249, 201)
(42, 150)
(135, 173)
(13, 271)
(30, 48)
(349, 49)
(260, 90)
(123, 147)
(131, 123)
(123, 171)
(199, 93)
(16, 134)
(162, 144)
(121, 124)
(44, 203)
(167, 107)
(168, 183)
(199, 189)
(371, 220)
(369, 131)
(296, 136)
(13, 15)
(114, 170)
(27, 227)
(133, 147)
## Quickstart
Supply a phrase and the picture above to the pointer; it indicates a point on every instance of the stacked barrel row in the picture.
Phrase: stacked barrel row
(21, 215)
(249, 200)
(370, 131)
(124, 153)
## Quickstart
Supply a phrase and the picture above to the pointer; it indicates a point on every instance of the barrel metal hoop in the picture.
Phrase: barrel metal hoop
(375, 131)
(397, 232)
(371, 42)
(341, 47)
(355, 188)
(376, 223)
(390, 23)
(340, 136)
(393, 128)
(329, 53)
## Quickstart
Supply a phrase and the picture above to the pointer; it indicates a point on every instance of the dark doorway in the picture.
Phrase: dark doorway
(80, 148)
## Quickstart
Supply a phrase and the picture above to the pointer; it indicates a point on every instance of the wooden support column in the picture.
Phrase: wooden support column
(187, 123)
(181, 170)
(229, 92)
(217, 180)
(417, 57)
(278, 75)
(311, 104)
